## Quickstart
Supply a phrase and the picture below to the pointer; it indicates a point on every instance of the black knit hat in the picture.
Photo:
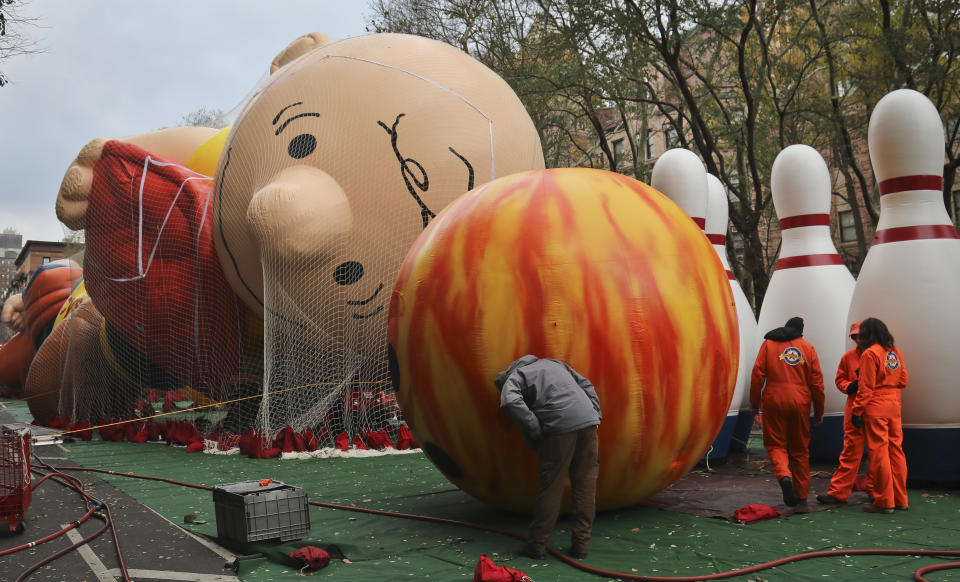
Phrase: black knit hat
(791, 331)
(795, 323)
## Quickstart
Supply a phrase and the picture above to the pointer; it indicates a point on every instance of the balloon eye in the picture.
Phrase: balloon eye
(348, 273)
(302, 146)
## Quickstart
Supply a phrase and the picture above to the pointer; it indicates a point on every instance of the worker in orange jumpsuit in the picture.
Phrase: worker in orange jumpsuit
(789, 366)
(883, 374)
(854, 439)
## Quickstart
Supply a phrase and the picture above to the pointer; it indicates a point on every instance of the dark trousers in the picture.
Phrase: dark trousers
(573, 453)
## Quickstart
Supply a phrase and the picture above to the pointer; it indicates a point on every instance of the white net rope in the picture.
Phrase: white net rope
(174, 346)
(251, 308)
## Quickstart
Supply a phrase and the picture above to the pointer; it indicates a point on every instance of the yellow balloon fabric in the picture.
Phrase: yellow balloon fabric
(204, 159)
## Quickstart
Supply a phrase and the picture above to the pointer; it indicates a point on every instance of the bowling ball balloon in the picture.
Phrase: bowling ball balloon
(586, 266)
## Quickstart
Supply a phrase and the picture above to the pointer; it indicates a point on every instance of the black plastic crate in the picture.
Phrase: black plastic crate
(250, 512)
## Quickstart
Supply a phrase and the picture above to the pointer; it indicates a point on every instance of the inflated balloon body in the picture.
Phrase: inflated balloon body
(45, 293)
(15, 358)
(70, 370)
(587, 266)
(155, 279)
(15, 355)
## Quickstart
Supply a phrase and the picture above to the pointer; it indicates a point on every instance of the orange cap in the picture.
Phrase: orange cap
(855, 328)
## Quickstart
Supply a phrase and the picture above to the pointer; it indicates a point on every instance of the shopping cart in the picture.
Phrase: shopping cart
(14, 475)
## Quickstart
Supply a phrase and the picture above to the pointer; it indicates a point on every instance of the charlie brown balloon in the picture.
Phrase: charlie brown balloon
(343, 157)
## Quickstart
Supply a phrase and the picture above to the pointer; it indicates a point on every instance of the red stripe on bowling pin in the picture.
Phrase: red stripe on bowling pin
(902, 233)
(809, 261)
(918, 232)
(718, 239)
(906, 183)
(804, 220)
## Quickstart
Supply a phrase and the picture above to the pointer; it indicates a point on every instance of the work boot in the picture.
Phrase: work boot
(531, 551)
(789, 497)
(871, 508)
(828, 499)
(901, 507)
(578, 551)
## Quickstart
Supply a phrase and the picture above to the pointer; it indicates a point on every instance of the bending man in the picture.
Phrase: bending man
(559, 412)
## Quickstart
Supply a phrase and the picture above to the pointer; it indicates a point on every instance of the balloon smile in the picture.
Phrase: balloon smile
(364, 302)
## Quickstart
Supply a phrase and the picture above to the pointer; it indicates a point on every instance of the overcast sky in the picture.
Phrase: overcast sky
(120, 67)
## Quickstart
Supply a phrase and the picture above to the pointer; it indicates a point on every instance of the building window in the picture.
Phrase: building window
(651, 150)
(848, 227)
(618, 150)
(736, 239)
(672, 140)
(46, 260)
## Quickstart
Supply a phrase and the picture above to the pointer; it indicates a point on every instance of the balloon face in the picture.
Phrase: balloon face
(586, 266)
(341, 160)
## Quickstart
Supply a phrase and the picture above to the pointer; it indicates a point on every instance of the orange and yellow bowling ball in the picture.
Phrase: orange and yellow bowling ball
(587, 266)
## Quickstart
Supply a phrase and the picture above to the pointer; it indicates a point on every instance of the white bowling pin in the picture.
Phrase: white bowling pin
(716, 231)
(810, 280)
(910, 278)
(679, 174)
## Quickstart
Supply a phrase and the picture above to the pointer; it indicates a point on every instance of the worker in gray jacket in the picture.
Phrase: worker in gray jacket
(559, 412)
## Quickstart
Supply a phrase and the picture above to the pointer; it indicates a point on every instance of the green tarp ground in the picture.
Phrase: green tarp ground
(637, 541)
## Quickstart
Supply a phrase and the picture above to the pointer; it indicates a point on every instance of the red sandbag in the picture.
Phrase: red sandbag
(311, 556)
(342, 441)
(405, 439)
(755, 512)
(487, 571)
(379, 439)
(359, 444)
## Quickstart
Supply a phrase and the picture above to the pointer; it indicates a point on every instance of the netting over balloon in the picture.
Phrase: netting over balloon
(154, 339)
(236, 283)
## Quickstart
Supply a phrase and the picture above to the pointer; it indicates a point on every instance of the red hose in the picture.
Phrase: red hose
(49, 537)
(918, 575)
(78, 487)
(49, 559)
(584, 567)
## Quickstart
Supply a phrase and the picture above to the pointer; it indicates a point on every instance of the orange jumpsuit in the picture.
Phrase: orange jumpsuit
(793, 380)
(883, 375)
(854, 439)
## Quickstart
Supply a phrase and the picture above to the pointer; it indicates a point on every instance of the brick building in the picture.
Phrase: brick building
(10, 244)
(33, 255)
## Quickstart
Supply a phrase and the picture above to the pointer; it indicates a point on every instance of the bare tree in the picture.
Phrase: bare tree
(204, 117)
(737, 81)
(13, 41)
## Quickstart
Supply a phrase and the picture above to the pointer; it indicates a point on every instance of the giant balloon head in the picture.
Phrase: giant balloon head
(343, 157)
(590, 267)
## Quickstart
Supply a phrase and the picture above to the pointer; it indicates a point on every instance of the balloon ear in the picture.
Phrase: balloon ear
(298, 48)
(75, 188)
